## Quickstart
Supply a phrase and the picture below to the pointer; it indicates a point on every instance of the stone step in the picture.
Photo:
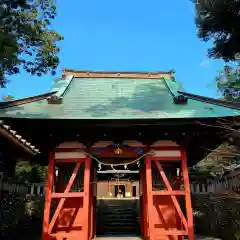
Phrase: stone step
(122, 214)
(119, 222)
(117, 217)
(117, 211)
(117, 207)
(118, 231)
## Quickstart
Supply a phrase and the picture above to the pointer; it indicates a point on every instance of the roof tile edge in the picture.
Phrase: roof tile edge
(57, 97)
(25, 100)
(113, 74)
(227, 104)
(178, 98)
(12, 135)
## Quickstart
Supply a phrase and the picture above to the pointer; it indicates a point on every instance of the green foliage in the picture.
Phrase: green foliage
(217, 217)
(27, 172)
(8, 98)
(219, 21)
(228, 82)
(201, 175)
(15, 224)
(26, 37)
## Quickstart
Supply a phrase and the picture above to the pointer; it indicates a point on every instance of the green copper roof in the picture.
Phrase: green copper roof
(117, 98)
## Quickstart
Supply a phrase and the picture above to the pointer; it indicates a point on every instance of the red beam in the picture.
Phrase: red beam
(168, 193)
(86, 200)
(172, 159)
(110, 148)
(69, 160)
(166, 148)
(70, 149)
(67, 195)
(172, 232)
(148, 189)
(188, 196)
(48, 192)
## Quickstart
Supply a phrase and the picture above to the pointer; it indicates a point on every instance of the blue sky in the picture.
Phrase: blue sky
(125, 35)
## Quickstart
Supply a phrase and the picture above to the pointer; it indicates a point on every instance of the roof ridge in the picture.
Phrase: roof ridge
(113, 74)
(103, 71)
(227, 104)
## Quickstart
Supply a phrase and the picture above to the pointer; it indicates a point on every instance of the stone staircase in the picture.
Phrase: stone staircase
(118, 217)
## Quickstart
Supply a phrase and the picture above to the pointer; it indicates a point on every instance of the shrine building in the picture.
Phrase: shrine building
(118, 146)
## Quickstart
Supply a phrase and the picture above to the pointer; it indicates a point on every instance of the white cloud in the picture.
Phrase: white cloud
(205, 63)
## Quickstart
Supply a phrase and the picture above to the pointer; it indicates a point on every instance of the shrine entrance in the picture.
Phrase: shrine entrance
(77, 200)
(117, 210)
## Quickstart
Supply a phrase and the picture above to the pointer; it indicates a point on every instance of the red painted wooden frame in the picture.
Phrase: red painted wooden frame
(147, 199)
(184, 225)
(48, 224)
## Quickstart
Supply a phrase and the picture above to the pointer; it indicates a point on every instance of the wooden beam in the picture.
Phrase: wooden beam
(62, 201)
(174, 199)
(187, 196)
(48, 191)
(150, 207)
(86, 201)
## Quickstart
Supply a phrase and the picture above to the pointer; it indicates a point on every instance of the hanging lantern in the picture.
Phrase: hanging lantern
(118, 151)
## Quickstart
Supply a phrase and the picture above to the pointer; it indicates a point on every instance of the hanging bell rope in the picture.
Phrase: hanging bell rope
(117, 164)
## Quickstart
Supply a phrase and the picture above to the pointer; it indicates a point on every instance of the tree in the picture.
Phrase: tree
(26, 38)
(226, 156)
(219, 21)
(228, 83)
(8, 98)
(30, 172)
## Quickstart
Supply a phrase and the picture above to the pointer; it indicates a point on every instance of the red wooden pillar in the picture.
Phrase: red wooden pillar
(86, 202)
(149, 197)
(94, 201)
(177, 187)
(188, 202)
(145, 222)
(143, 203)
(48, 192)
